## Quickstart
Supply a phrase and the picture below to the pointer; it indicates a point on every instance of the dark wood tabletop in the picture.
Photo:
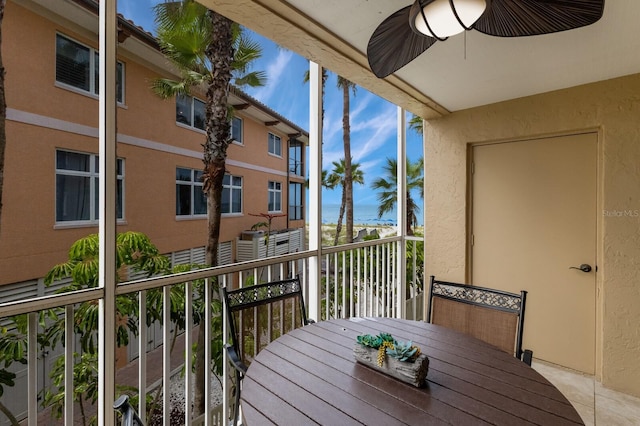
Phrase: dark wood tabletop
(310, 376)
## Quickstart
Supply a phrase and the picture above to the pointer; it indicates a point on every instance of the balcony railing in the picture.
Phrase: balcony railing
(370, 278)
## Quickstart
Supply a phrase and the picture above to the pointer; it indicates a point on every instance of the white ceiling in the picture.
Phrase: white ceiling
(490, 69)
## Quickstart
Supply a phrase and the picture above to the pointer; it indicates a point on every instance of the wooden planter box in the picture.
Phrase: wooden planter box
(414, 373)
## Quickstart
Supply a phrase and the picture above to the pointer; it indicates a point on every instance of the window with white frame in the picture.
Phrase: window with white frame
(275, 145)
(236, 129)
(190, 200)
(77, 66)
(295, 201)
(190, 111)
(77, 191)
(275, 196)
(231, 194)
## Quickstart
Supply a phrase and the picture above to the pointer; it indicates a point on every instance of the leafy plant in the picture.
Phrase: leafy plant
(387, 345)
(404, 351)
(374, 341)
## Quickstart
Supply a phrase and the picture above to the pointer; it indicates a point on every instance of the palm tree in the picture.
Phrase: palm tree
(416, 124)
(325, 77)
(388, 185)
(336, 178)
(347, 86)
(3, 113)
(208, 50)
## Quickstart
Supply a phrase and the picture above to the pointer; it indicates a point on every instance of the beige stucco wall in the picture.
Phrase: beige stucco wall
(31, 242)
(612, 107)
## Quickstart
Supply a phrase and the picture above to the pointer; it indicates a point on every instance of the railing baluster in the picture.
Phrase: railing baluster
(69, 342)
(166, 356)
(341, 285)
(208, 312)
(226, 370)
(142, 356)
(32, 368)
(414, 281)
(351, 301)
(327, 293)
(384, 283)
(188, 341)
(378, 258)
(369, 282)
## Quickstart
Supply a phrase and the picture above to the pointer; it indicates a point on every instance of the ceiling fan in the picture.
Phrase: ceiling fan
(410, 31)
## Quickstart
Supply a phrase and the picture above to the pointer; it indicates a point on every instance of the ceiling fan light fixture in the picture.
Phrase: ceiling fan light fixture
(443, 18)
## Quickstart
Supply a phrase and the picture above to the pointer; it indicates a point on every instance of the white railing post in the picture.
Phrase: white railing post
(315, 187)
(401, 258)
(166, 355)
(208, 315)
(69, 342)
(188, 341)
(142, 356)
(32, 368)
(107, 212)
(226, 370)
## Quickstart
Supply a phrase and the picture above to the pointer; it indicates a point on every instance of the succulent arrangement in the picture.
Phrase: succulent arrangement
(387, 345)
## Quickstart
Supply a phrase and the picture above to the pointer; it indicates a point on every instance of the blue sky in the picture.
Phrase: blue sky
(373, 120)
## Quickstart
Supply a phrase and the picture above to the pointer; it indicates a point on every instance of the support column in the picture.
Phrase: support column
(107, 212)
(315, 188)
(401, 258)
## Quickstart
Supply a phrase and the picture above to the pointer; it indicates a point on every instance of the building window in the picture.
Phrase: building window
(231, 194)
(77, 177)
(296, 165)
(190, 111)
(236, 130)
(275, 145)
(77, 66)
(275, 196)
(295, 201)
(190, 200)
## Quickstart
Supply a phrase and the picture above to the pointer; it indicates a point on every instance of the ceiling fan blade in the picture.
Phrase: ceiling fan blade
(394, 44)
(509, 18)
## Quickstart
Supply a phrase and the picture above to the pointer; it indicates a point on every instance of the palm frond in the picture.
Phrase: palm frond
(416, 124)
(167, 88)
(183, 33)
(246, 51)
(252, 79)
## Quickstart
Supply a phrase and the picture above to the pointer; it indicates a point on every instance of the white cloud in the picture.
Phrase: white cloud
(274, 71)
(367, 138)
(374, 133)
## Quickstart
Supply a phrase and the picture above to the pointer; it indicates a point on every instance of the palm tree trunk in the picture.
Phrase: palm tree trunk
(411, 215)
(3, 112)
(220, 54)
(348, 173)
(340, 216)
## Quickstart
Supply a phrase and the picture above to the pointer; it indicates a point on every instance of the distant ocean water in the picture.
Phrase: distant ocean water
(363, 214)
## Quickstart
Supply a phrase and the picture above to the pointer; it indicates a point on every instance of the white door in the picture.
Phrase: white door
(533, 218)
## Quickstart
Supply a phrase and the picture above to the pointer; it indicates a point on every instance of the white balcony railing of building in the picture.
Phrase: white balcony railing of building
(368, 278)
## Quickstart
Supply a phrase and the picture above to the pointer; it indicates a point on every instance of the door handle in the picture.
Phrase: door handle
(584, 267)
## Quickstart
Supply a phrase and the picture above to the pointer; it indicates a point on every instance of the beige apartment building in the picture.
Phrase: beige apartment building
(51, 185)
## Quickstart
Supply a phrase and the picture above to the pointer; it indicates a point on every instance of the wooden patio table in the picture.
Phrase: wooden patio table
(310, 376)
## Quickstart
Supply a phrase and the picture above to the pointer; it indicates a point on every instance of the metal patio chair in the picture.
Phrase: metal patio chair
(129, 415)
(494, 316)
(257, 315)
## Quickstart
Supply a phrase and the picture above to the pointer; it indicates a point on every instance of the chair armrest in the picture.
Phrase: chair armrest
(235, 359)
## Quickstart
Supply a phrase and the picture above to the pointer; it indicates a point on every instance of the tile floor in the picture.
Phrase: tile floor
(596, 404)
